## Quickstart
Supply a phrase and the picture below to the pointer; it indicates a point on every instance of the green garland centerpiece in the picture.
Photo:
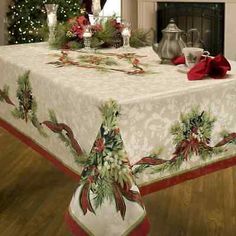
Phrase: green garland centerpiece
(105, 33)
(27, 24)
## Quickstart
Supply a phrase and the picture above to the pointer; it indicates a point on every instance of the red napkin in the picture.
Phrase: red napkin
(178, 60)
(214, 67)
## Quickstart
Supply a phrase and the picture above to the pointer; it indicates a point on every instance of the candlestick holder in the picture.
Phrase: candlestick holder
(51, 21)
(126, 34)
(87, 36)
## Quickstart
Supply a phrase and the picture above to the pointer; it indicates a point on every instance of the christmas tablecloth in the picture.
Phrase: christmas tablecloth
(120, 120)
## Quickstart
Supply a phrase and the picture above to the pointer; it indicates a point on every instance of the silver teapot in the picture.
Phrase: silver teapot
(171, 44)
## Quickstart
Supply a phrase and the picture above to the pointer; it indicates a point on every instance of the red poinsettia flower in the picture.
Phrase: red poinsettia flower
(96, 28)
(82, 21)
(78, 26)
(74, 28)
(116, 24)
(78, 31)
(99, 145)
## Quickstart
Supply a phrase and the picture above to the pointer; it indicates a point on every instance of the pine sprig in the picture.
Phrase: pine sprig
(110, 112)
(25, 98)
(103, 191)
(4, 93)
(27, 107)
(105, 37)
(52, 116)
(97, 60)
(141, 38)
(202, 121)
(65, 138)
(62, 39)
(35, 121)
(191, 136)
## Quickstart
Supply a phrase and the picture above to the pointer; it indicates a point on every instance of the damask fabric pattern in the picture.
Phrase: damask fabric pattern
(157, 124)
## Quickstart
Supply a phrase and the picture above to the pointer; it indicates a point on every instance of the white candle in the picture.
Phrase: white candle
(96, 7)
(126, 32)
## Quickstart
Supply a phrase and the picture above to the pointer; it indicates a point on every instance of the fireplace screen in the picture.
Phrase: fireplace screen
(203, 23)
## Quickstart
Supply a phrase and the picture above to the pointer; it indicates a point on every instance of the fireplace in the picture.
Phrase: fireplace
(147, 18)
(204, 23)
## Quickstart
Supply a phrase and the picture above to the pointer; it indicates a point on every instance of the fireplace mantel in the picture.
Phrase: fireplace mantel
(147, 19)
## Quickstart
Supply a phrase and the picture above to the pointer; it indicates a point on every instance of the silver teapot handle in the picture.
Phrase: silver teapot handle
(197, 39)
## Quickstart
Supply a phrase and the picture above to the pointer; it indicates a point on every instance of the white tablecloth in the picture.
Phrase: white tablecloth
(150, 108)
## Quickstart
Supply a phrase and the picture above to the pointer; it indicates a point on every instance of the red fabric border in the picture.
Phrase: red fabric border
(192, 174)
(28, 141)
(73, 226)
(141, 230)
(162, 184)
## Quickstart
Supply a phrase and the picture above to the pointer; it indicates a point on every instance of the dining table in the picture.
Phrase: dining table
(119, 122)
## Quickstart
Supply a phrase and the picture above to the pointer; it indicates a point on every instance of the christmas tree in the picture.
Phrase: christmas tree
(27, 17)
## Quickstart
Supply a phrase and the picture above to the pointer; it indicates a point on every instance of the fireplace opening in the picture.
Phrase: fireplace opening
(204, 23)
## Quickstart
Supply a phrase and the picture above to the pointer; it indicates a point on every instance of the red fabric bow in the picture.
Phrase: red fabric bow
(214, 67)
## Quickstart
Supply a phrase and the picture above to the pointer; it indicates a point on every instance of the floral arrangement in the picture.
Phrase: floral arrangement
(105, 33)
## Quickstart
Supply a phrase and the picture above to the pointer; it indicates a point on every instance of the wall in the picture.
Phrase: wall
(3, 10)
(112, 7)
(130, 12)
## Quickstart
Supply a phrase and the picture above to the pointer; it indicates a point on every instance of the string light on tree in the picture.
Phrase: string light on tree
(30, 16)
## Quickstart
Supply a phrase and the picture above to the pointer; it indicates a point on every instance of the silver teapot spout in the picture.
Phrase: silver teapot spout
(155, 47)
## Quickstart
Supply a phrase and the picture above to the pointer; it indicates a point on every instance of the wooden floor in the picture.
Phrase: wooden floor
(34, 196)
